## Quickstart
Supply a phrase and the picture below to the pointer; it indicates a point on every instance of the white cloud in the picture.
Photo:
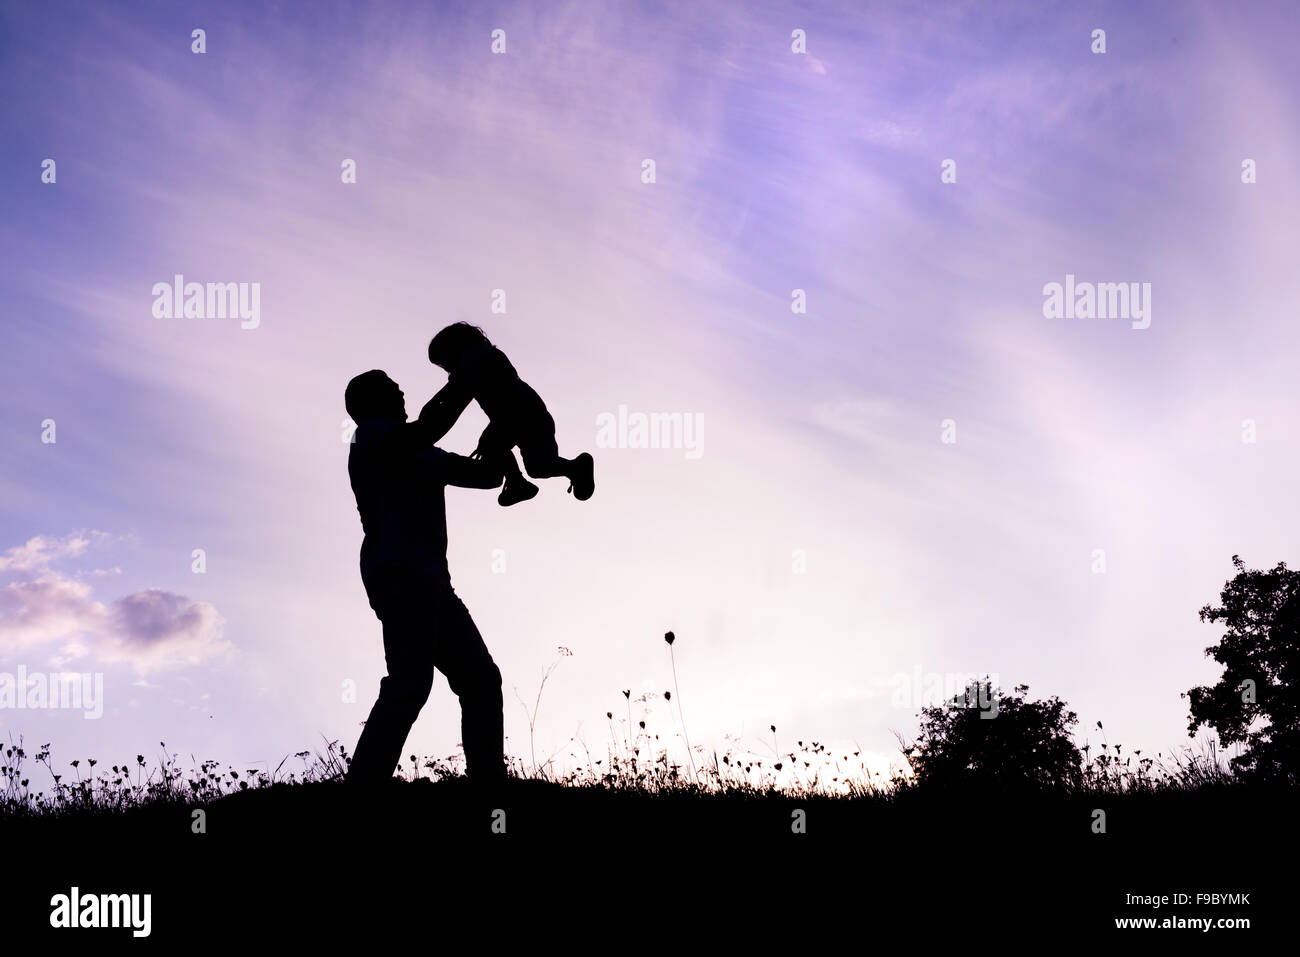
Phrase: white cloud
(32, 612)
(150, 629)
(157, 628)
(40, 552)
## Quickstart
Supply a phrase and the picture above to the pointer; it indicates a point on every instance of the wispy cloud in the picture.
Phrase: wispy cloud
(40, 551)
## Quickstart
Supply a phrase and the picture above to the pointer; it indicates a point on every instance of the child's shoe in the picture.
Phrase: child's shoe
(583, 482)
(516, 491)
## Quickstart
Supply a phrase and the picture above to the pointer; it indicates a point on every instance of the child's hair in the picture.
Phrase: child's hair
(452, 342)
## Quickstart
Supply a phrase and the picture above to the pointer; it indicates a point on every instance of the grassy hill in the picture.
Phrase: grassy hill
(318, 855)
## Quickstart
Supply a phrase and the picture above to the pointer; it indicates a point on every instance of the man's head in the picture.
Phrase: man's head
(372, 395)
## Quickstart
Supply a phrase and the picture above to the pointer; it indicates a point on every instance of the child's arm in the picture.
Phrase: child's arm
(441, 412)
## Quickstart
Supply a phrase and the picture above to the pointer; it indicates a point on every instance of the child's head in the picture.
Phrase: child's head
(449, 346)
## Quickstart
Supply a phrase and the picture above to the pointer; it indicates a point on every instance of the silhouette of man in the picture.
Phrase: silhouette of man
(398, 477)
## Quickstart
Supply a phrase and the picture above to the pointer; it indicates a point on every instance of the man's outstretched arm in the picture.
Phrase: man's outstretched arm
(441, 412)
(465, 472)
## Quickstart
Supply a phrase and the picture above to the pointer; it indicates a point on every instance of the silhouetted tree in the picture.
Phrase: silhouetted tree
(1025, 744)
(1257, 700)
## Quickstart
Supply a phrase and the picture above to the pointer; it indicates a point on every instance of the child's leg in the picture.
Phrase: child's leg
(538, 449)
(495, 446)
(542, 459)
(546, 462)
(542, 456)
(509, 467)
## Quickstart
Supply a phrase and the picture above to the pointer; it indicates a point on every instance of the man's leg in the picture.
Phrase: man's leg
(461, 655)
(408, 651)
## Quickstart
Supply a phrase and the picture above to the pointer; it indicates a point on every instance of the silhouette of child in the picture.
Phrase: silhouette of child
(517, 416)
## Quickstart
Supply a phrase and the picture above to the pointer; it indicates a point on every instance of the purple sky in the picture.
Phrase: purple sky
(775, 171)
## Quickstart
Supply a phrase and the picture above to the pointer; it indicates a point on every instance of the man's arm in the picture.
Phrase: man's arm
(441, 412)
(469, 473)
(441, 467)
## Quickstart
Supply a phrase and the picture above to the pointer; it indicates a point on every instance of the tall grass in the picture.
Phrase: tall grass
(125, 785)
(638, 765)
(637, 759)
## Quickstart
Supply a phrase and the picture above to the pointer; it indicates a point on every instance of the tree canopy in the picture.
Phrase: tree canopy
(1256, 701)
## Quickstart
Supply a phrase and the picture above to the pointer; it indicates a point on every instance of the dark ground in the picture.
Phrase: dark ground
(314, 861)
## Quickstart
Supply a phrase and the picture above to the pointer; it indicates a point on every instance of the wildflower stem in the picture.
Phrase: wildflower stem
(678, 691)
